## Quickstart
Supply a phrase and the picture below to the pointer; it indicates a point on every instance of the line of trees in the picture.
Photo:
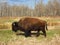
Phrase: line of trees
(52, 8)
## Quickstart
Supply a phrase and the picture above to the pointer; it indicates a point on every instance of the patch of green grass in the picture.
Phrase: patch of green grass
(6, 35)
(50, 34)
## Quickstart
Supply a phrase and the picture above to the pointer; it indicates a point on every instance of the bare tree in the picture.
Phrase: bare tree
(52, 8)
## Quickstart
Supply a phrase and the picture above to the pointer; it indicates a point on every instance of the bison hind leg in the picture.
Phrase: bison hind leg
(44, 32)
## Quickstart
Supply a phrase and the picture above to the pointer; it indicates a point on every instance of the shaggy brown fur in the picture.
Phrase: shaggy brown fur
(32, 24)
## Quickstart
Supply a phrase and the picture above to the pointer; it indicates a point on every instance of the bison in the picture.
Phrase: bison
(30, 24)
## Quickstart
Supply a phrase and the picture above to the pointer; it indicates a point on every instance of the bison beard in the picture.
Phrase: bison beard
(30, 24)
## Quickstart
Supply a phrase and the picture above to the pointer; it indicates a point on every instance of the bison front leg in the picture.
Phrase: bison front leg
(38, 33)
(27, 33)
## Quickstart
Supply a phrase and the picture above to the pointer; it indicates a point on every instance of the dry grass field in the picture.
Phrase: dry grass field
(7, 37)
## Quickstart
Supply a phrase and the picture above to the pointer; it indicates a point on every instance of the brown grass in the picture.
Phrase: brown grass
(33, 41)
(7, 21)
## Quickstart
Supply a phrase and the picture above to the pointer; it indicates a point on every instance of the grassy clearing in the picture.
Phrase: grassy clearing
(7, 37)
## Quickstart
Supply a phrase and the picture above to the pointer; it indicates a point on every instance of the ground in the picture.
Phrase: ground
(8, 37)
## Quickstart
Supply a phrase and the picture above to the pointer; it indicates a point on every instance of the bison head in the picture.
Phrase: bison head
(15, 26)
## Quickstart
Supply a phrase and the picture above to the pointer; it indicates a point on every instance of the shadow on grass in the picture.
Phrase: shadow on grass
(32, 34)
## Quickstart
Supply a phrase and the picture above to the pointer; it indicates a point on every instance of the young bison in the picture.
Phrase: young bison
(30, 24)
